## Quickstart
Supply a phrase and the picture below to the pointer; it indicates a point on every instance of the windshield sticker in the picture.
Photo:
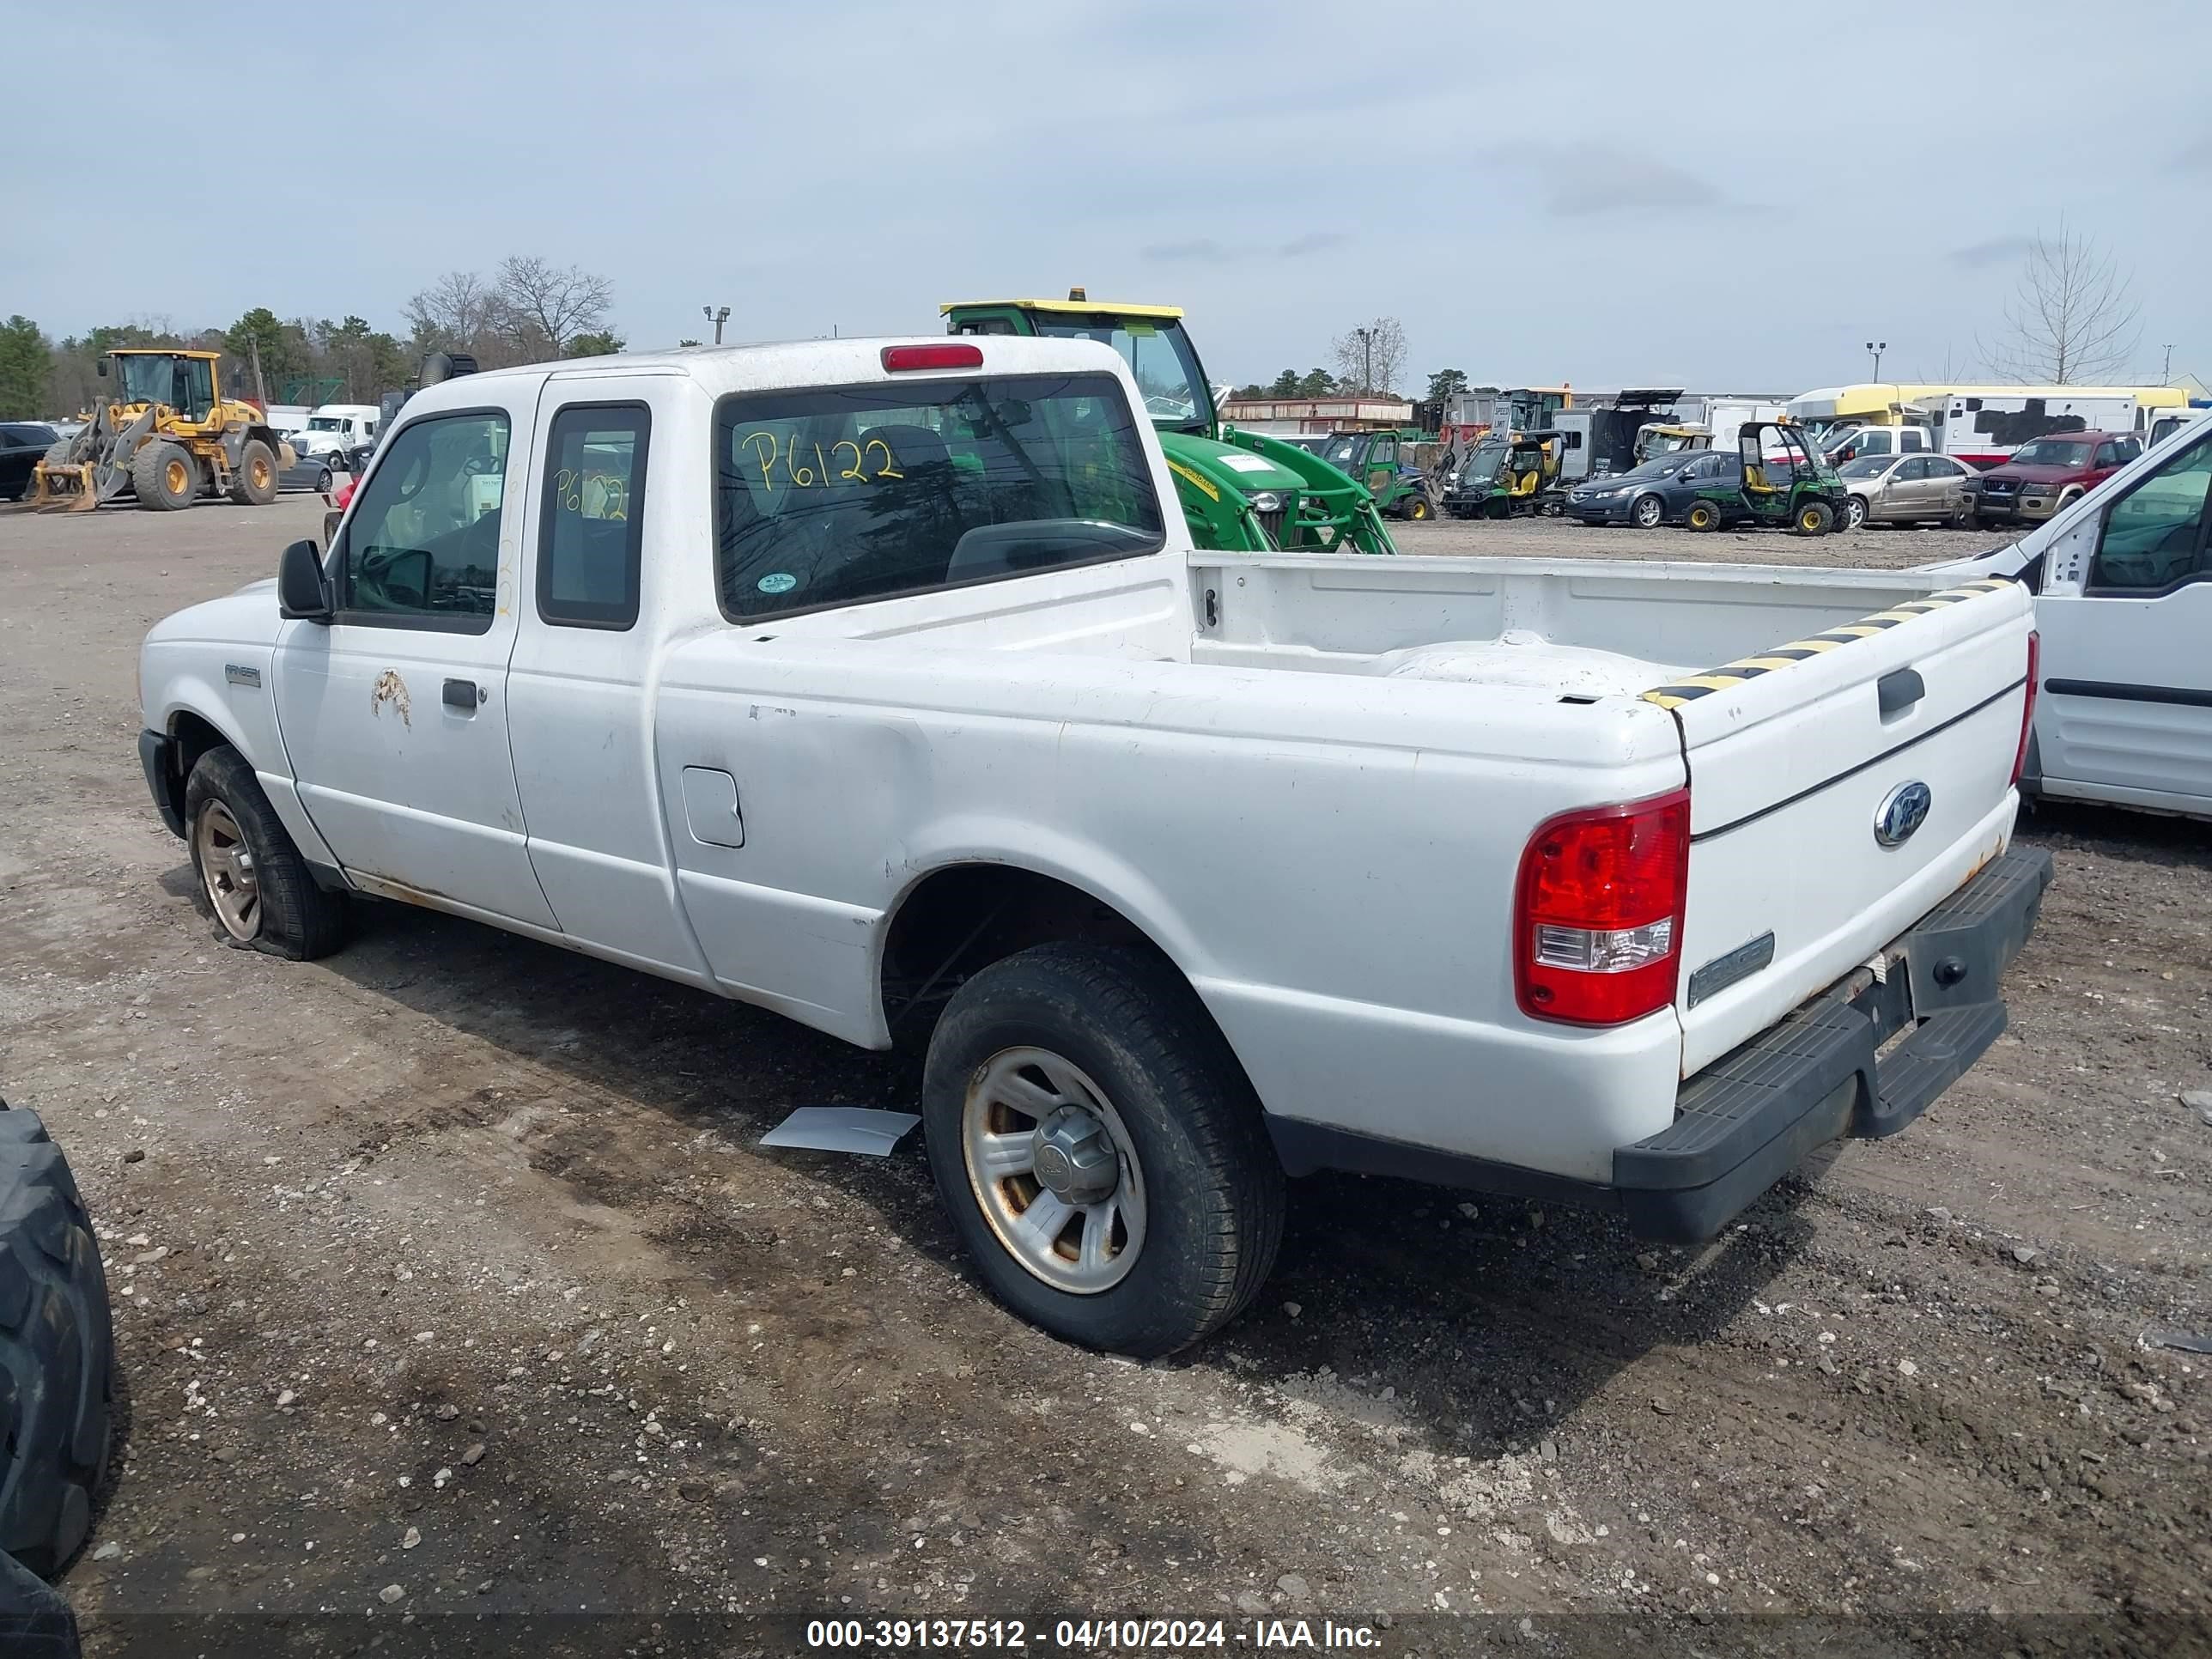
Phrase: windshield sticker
(1248, 463)
(777, 581)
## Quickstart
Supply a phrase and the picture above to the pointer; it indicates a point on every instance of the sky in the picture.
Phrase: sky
(1725, 196)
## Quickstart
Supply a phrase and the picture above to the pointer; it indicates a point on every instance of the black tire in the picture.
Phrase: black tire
(56, 1351)
(1213, 1192)
(1854, 513)
(35, 1622)
(1418, 509)
(323, 482)
(1702, 515)
(1647, 513)
(156, 480)
(255, 483)
(296, 919)
(1813, 519)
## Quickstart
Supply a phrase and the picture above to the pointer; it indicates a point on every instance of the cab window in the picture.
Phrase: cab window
(422, 547)
(590, 530)
(866, 492)
(2154, 537)
(1871, 441)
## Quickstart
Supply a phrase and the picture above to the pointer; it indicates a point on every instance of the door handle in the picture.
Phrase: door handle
(464, 695)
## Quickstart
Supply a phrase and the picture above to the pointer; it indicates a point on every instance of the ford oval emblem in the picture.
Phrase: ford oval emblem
(1903, 810)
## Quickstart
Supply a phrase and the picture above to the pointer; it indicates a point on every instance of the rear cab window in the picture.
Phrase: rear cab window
(844, 496)
(592, 523)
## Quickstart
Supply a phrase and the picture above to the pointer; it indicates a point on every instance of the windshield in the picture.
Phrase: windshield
(2051, 451)
(1668, 443)
(1866, 466)
(1484, 465)
(1159, 357)
(146, 380)
(1662, 466)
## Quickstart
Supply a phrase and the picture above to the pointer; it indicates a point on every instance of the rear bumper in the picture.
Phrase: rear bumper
(157, 755)
(1817, 1075)
(1822, 1073)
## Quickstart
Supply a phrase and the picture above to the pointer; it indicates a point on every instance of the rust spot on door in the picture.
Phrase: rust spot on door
(389, 688)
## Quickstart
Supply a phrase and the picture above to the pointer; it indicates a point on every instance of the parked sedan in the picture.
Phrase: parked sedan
(1658, 492)
(23, 444)
(1908, 489)
(308, 472)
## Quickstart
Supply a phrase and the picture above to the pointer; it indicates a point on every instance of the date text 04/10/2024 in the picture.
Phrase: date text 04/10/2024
(1086, 1635)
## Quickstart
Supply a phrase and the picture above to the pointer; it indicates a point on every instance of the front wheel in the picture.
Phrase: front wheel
(1815, 519)
(164, 477)
(1703, 515)
(1649, 512)
(1100, 1149)
(253, 881)
(1419, 510)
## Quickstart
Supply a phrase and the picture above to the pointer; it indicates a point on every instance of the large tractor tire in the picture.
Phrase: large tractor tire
(56, 1351)
(35, 1623)
(255, 483)
(164, 477)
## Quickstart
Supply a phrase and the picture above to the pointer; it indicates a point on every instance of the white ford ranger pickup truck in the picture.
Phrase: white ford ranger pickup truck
(879, 683)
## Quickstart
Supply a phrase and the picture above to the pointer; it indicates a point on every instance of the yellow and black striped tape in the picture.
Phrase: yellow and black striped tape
(1766, 662)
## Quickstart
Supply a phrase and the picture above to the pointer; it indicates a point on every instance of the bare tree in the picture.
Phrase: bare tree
(453, 313)
(544, 307)
(1372, 356)
(2072, 320)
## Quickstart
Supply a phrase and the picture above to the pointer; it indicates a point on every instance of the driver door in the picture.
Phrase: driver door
(394, 714)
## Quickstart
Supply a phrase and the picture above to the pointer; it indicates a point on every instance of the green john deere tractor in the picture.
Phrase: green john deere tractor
(1241, 491)
(1785, 481)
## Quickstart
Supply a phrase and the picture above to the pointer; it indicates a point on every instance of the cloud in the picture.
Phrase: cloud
(1588, 180)
(1997, 251)
(1205, 251)
(2196, 159)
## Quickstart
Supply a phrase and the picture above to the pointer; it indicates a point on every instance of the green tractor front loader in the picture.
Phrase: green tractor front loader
(1242, 492)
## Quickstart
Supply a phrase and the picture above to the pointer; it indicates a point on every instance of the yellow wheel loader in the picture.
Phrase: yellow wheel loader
(167, 438)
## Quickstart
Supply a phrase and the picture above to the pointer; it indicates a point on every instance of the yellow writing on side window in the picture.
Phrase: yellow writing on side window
(870, 461)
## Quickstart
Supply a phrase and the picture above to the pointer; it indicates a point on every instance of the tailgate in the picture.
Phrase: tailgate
(1841, 786)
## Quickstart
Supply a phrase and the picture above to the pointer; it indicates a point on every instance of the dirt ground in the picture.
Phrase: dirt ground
(457, 1305)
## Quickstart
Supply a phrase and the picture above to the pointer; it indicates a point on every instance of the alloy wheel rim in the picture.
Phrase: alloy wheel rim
(233, 887)
(1052, 1169)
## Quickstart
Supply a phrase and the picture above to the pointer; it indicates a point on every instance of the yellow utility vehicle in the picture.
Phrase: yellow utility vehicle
(167, 437)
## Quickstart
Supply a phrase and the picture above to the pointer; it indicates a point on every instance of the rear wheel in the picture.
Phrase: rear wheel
(164, 477)
(1100, 1149)
(1962, 516)
(1855, 513)
(255, 483)
(1703, 515)
(1815, 519)
(253, 881)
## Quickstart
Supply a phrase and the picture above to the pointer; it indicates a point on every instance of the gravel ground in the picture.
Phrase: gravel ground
(456, 1304)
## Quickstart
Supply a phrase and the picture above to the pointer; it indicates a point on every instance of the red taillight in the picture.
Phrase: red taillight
(2027, 703)
(1597, 920)
(952, 354)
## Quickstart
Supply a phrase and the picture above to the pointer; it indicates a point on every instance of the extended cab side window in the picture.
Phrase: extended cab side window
(2155, 536)
(593, 527)
(854, 493)
(421, 548)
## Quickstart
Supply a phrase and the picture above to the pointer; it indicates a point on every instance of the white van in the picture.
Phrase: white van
(335, 426)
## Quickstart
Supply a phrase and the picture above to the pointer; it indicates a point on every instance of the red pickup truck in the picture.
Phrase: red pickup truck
(2049, 473)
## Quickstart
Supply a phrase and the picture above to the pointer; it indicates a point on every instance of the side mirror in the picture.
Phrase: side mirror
(302, 592)
(102, 366)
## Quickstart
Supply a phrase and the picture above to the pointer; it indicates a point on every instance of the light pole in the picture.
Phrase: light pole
(1366, 358)
(2166, 375)
(717, 318)
(1877, 347)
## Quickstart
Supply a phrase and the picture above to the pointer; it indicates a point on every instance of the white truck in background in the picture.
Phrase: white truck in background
(879, 684)
(2123, 585)
(337, 426)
